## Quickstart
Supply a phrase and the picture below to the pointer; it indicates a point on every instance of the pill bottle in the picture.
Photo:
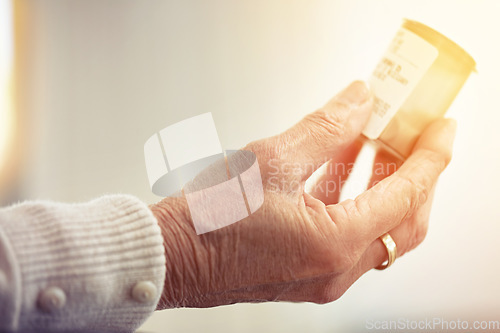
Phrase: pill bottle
(414, 83)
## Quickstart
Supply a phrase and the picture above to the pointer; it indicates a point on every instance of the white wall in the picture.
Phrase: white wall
(104, 75)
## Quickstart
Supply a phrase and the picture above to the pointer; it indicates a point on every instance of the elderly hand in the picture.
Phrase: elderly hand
(306, 246)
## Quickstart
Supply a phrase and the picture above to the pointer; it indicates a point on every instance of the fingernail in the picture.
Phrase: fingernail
(356, 93)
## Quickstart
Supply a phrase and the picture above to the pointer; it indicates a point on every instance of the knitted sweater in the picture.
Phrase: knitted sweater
(96, 266)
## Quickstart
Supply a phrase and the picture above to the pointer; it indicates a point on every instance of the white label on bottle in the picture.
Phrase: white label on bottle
(401, 68)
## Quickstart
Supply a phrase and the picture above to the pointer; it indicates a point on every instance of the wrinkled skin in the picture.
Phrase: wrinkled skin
(306, 246)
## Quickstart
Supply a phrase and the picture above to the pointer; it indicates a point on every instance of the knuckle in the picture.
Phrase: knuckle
(420, 194)
(417, 193)
(418, 186)
(348, 215)
(345, 210)
(332, 124)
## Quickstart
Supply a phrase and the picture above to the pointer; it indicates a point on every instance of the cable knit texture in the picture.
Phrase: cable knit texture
(95, 253)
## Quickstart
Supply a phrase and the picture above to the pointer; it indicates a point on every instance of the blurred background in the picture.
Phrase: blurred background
(85, 83)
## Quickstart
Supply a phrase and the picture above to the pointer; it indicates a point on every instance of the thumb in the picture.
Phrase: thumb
(328, 131)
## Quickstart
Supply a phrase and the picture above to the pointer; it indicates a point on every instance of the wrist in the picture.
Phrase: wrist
(188, 262)
(169, 215)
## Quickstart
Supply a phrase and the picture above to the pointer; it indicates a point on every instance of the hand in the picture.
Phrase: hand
(306, 246)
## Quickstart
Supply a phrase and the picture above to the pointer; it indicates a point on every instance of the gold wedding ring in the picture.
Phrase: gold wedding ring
(392, 251)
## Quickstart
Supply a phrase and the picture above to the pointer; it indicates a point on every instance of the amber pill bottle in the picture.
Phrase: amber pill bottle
(414, 83)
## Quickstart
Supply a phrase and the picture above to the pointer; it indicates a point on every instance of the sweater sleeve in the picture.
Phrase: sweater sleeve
(96, 266)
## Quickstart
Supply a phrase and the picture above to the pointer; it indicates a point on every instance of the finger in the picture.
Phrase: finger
(407, 236)
(325, 133)
(384, 165)
(328, 185)
(398, 197)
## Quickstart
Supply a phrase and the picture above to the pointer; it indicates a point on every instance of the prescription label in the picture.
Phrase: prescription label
(403, 65)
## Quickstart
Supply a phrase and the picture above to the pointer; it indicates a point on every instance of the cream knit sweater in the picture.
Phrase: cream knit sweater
(96, 266)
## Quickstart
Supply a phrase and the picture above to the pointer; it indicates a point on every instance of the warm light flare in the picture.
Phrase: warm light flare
(6, 107)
